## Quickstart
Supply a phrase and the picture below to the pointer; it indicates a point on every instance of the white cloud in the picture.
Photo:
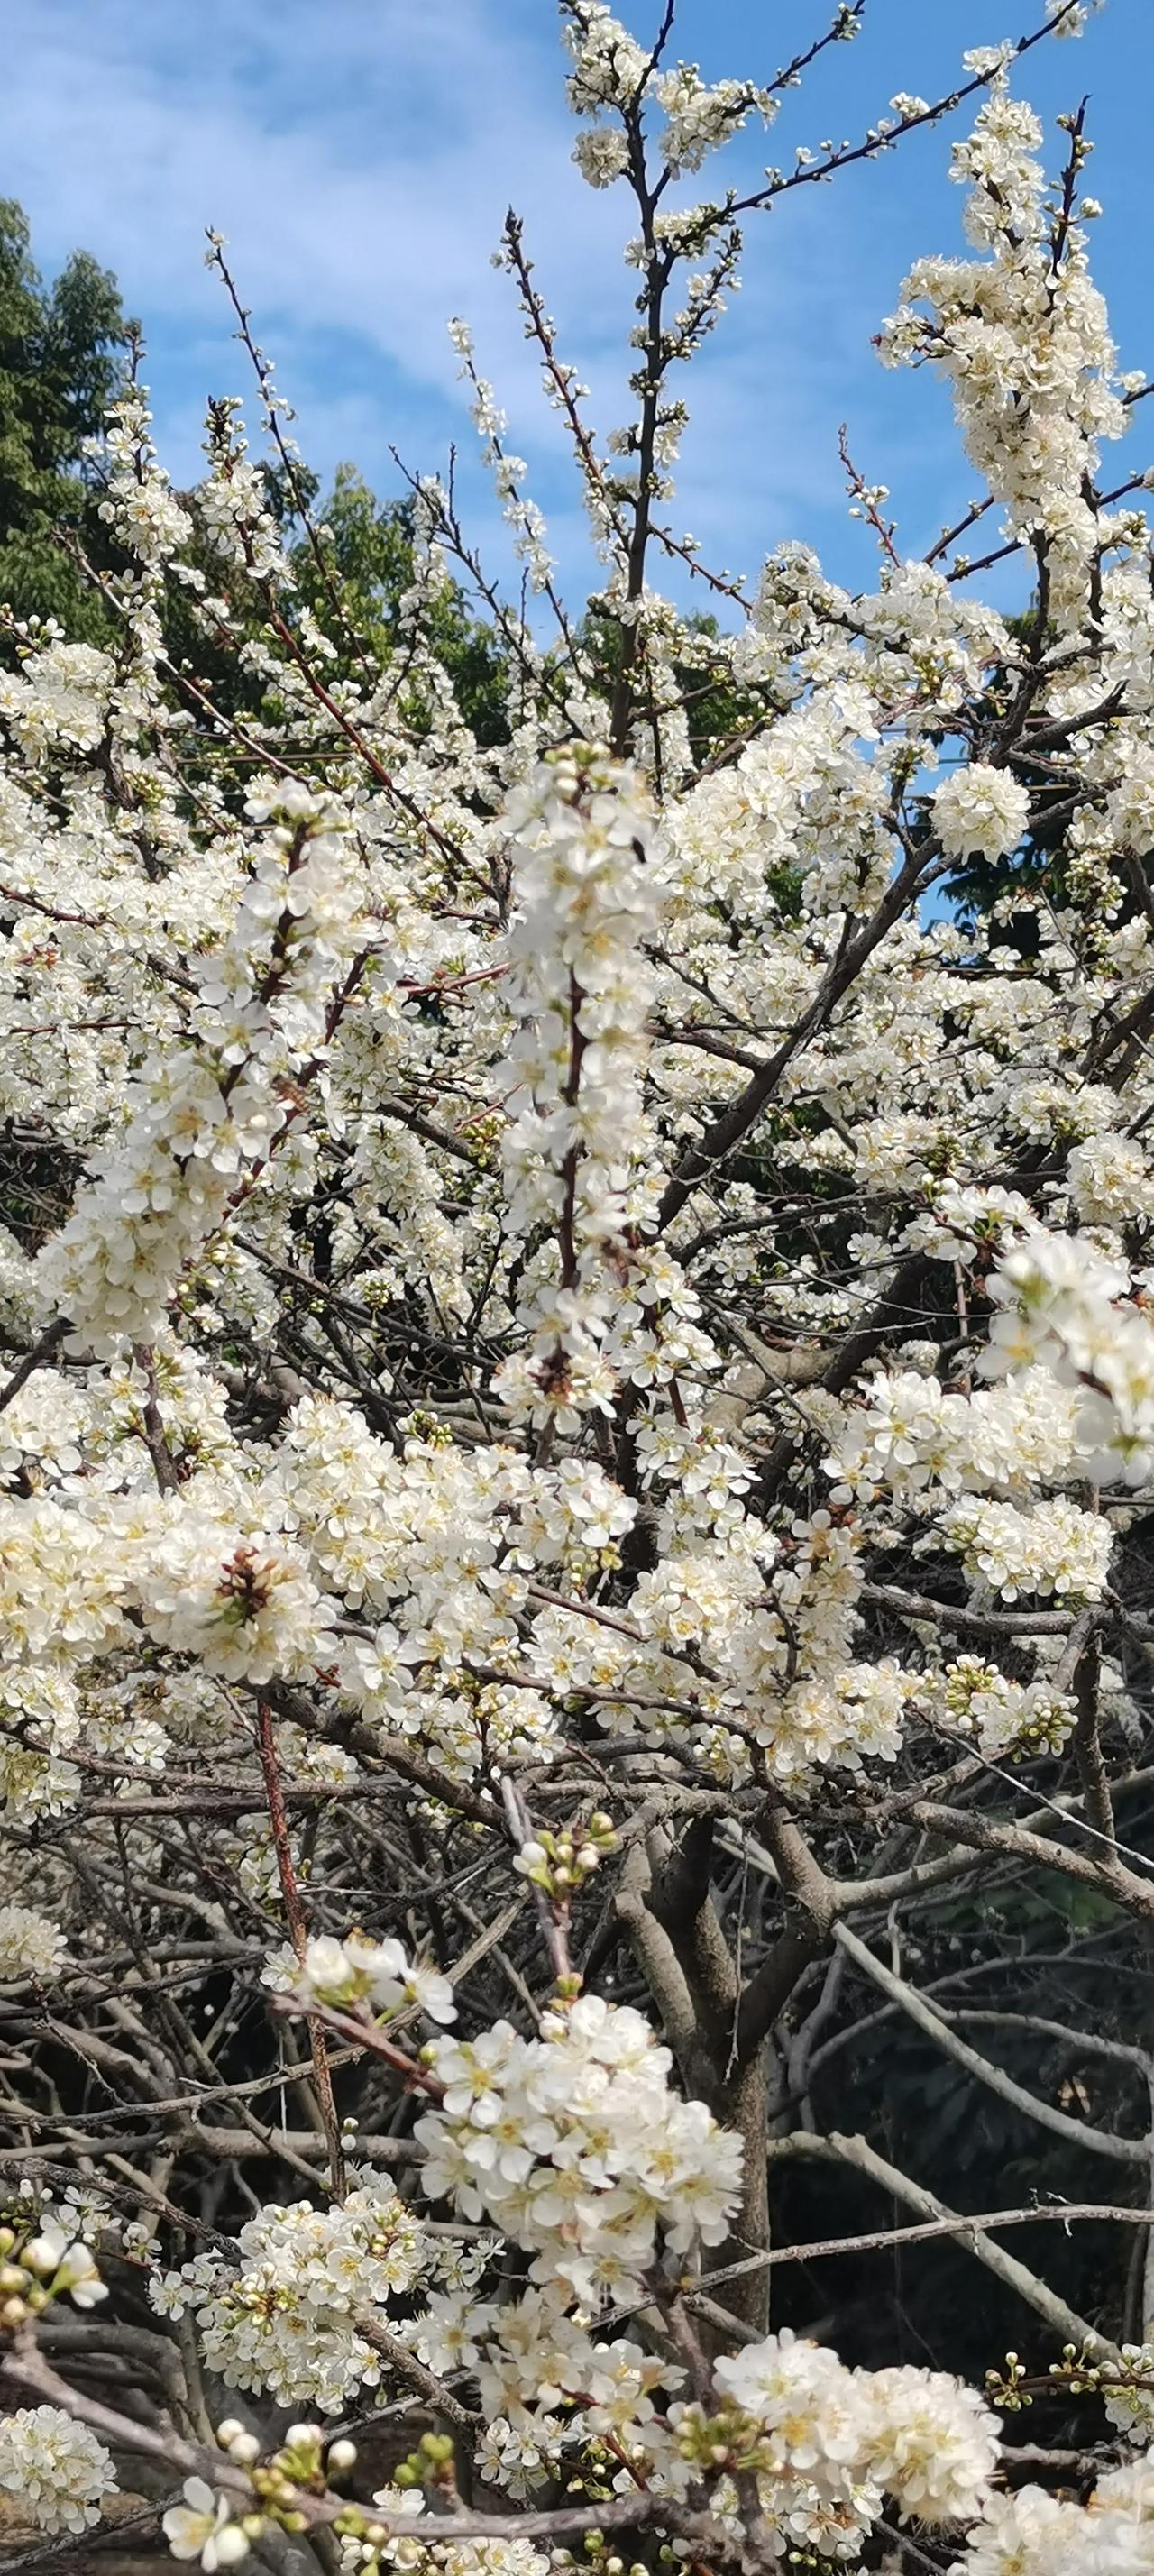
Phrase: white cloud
(360, 157)
(358, 189)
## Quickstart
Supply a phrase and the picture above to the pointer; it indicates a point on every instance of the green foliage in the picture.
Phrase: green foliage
(355, 579)
(718, 715)
(352, 560)
(1035, 877)
(61, 360)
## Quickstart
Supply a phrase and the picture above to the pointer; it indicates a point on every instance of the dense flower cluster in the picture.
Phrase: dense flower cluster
(577, 1151)
(53, 2468)
(1032, 2533)
(980, 810)
(1024, 342)
(286, 2320)
(851, 2435)
(30, 1946)
(575, 2146)
(198, 1118)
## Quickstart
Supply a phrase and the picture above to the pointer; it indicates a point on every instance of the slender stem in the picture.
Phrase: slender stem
(298, 1935)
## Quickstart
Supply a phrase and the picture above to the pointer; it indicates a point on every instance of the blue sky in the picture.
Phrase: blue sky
(360, 154)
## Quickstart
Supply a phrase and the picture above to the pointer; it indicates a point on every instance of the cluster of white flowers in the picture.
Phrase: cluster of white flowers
(1063, 1303)
(1023, 339)
(59, 1584)
(609, 66)
(232, 503)
(577, 1148)
(1033, 2533)
(285, 2319)
(246, 1607)
(1130, 2406)
(198, 1117)
(53, 2469)
(1129, 807)
(850, 2436)
(30, 1945)
(801, 797)
(575, 2145)
(979, 1701)
(980, 812)
(138, 502)
(700, 117)
(914, 1437)
(1055, 1547)
(355, 1971)
(59, 698)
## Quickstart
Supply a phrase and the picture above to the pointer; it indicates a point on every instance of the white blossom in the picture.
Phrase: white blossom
(30, 1945)
(202, 2528)
(980, 811)
(53, 2468)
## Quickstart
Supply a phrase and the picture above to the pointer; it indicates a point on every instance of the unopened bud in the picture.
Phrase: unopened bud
(40, 2255)
(231, 2545)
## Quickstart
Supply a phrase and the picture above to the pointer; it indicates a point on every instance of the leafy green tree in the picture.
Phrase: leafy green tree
(1000, 899)
(352, 559)
(62, 357)
(366, 562)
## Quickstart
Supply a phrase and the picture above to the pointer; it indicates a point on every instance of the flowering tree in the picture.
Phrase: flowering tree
(577, 1456)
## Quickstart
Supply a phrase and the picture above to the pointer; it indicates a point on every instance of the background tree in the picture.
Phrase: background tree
(62, 359)
(369, 546)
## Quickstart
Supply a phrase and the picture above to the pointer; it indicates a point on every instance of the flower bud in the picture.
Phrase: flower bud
(41, 2256)
(231, 2545)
